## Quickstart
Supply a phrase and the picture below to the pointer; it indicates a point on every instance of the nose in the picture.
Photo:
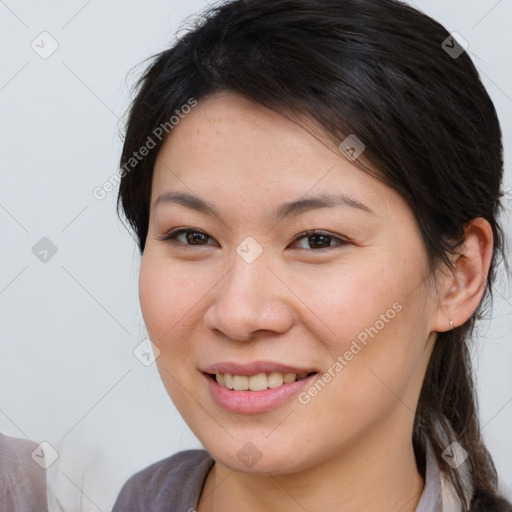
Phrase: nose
(250, 298)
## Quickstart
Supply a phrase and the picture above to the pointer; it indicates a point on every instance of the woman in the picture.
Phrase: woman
(314, 187)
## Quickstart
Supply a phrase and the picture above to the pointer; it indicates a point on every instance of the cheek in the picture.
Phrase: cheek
(168, 295)
(375, 325)
(170, 305)
(347, 300)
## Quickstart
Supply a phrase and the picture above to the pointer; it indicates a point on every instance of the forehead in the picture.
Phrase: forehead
(231, 146)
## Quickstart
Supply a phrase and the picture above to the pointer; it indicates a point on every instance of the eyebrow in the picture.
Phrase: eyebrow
(290, 209)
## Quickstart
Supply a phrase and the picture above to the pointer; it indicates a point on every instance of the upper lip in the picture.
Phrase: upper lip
(255, 367)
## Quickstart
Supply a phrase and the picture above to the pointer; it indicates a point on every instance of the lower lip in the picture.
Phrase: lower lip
(255, 401)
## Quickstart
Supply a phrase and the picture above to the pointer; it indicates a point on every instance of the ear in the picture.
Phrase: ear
(462, 287)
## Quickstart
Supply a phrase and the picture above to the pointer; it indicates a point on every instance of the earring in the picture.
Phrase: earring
(451, 324)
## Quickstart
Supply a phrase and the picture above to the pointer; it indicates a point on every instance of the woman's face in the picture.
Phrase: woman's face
(249, 291)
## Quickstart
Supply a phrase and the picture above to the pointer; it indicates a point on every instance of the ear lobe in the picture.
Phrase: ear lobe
(464, 287)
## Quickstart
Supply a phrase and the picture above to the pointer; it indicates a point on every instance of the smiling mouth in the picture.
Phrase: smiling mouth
(258, 382)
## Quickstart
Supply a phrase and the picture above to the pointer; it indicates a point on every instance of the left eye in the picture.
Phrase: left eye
(321, 240)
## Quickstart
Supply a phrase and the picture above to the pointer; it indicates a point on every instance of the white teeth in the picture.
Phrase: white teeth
(228, 380)
(258, 382)
(275, 379)
(240, 382)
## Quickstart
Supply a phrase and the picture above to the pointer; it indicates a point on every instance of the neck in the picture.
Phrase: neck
(369, 475)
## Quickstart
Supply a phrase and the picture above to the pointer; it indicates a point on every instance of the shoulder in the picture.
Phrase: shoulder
(16, 448)
(22, 475)
(16, 456)
(170, 484)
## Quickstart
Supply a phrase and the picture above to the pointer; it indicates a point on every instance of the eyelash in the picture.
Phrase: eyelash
(172, 235)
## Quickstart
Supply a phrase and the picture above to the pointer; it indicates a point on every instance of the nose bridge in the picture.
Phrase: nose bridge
(247, 284)
(249, 297)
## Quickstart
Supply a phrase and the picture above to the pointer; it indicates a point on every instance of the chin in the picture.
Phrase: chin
(263, 466)
(258, 457)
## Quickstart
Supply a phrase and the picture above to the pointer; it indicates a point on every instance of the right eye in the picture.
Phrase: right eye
(190, 236)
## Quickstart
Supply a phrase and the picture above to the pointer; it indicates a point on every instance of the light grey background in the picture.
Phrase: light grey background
(69, 326)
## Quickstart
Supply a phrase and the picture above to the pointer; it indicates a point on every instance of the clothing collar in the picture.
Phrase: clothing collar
(439, 493)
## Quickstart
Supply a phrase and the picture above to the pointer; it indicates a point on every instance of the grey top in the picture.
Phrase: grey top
(172, 484)
(175, 484)
(22, 480)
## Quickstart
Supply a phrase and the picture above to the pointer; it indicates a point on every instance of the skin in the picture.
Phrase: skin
(349, 448)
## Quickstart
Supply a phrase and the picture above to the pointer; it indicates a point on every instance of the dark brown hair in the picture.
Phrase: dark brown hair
(382, 71)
